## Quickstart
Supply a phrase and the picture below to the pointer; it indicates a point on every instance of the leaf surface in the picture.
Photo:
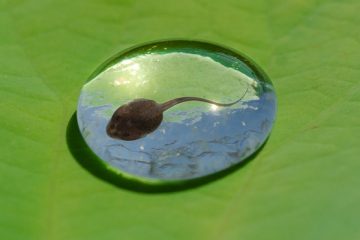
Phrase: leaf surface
(302, 185)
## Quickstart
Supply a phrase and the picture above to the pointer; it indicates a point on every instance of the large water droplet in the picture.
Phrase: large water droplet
(194, 138)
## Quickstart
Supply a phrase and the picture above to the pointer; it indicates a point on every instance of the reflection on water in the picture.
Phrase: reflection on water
(186, 149)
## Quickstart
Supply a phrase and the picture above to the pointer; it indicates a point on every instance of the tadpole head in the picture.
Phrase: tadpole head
(121, 126)
(134, 120)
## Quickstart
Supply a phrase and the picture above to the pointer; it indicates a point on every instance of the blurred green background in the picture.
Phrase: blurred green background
(302, 185)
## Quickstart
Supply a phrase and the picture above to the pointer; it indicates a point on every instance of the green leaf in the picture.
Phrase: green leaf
(302, 185)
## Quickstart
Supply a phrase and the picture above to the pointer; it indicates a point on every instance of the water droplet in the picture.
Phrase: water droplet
(194, 138)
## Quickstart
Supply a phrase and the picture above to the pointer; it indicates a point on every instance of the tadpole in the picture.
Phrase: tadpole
(140, 117)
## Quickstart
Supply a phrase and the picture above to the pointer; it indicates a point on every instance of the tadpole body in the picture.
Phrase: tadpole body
(140, 117)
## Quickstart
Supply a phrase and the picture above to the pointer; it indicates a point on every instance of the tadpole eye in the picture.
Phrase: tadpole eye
(111, 126)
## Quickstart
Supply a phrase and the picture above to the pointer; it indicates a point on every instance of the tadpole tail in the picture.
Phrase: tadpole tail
(166, 105)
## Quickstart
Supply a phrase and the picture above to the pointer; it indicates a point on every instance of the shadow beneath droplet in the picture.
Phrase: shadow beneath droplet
(88, 160)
